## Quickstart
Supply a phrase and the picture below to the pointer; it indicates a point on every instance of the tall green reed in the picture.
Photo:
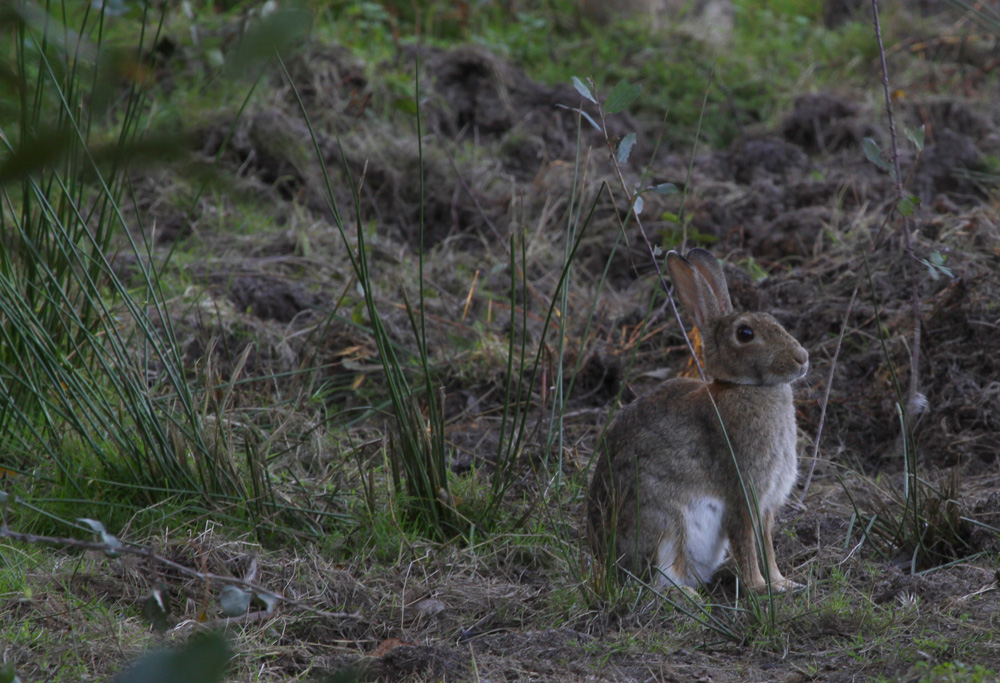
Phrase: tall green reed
(92, 378)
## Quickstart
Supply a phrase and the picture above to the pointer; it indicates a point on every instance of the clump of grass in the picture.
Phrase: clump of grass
(95, 400)
(922, 526)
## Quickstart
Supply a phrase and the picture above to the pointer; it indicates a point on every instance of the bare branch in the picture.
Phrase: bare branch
(911, 408)
(132, 549)
(826, 393)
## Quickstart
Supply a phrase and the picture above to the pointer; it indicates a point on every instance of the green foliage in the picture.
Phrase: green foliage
(98, 389)
(907, 205)
(916, 137)
(756, 271)
(417, 448)
(924, 524)
(875, 155)
(204, 659)
(95, 399)
(935, 266)
(621, 97)
(953, 672)
(771, 50)
(7, 674)
(583, 89)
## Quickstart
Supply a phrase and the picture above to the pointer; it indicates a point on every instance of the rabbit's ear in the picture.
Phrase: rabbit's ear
(694, 290)
(711, 269)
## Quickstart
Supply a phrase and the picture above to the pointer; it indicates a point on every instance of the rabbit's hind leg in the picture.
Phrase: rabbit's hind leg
(778, 582)
(743, 548)
(670, 567)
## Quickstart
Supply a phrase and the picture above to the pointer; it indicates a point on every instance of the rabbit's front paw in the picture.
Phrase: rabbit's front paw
(783, 585)
(778, 585)
(787, 585)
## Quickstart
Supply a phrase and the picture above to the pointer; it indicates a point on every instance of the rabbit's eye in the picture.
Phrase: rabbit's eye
(744, 334)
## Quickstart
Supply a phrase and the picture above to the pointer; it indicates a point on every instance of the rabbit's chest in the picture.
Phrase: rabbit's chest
(767, 451)
(783, 470)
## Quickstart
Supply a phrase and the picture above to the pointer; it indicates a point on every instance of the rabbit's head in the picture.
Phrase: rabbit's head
(741, 348)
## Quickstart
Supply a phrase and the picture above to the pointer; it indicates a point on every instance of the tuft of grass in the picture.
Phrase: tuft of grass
(922, 534)
(417, 448)
(97, 407)
(952, 672)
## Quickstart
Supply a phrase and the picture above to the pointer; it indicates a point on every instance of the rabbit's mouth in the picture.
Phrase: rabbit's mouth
(792, 374)
(787, 372)
(800, 357)
(803, 371)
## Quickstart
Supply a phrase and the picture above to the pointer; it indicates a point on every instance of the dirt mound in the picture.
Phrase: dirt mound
(824, 123)
(800, 203)
(478, 95)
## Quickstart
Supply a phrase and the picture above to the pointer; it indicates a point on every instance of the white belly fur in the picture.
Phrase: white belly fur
(705, 545)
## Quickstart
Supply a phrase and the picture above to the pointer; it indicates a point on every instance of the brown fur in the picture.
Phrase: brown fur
(665, 473)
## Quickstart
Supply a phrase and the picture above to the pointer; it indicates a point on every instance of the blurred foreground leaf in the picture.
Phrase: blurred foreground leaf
(41, 152)
(35, 154)
(278, 32)
(7, 674)
(204, 659)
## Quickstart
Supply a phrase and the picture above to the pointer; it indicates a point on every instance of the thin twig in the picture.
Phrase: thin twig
(472, 196)
(826, 393)
(649, 245)
(912, 393)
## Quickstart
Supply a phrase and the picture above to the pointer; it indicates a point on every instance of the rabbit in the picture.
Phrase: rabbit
(666, 498)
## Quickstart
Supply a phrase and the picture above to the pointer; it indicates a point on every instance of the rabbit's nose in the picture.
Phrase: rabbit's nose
(801, 355)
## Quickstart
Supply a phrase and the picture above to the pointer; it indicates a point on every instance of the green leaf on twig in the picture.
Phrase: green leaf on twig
(916, 137)
(907, 205)
(874, 154)
(109, 540)
(592, 121)
(582, 113)
(935, 266)
(622, 95)
(625, 148)
(270, 601)
(665, 189)
(582, 88)
(234, 601)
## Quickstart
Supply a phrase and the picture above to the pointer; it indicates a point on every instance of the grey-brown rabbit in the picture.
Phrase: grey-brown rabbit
(666, 497)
